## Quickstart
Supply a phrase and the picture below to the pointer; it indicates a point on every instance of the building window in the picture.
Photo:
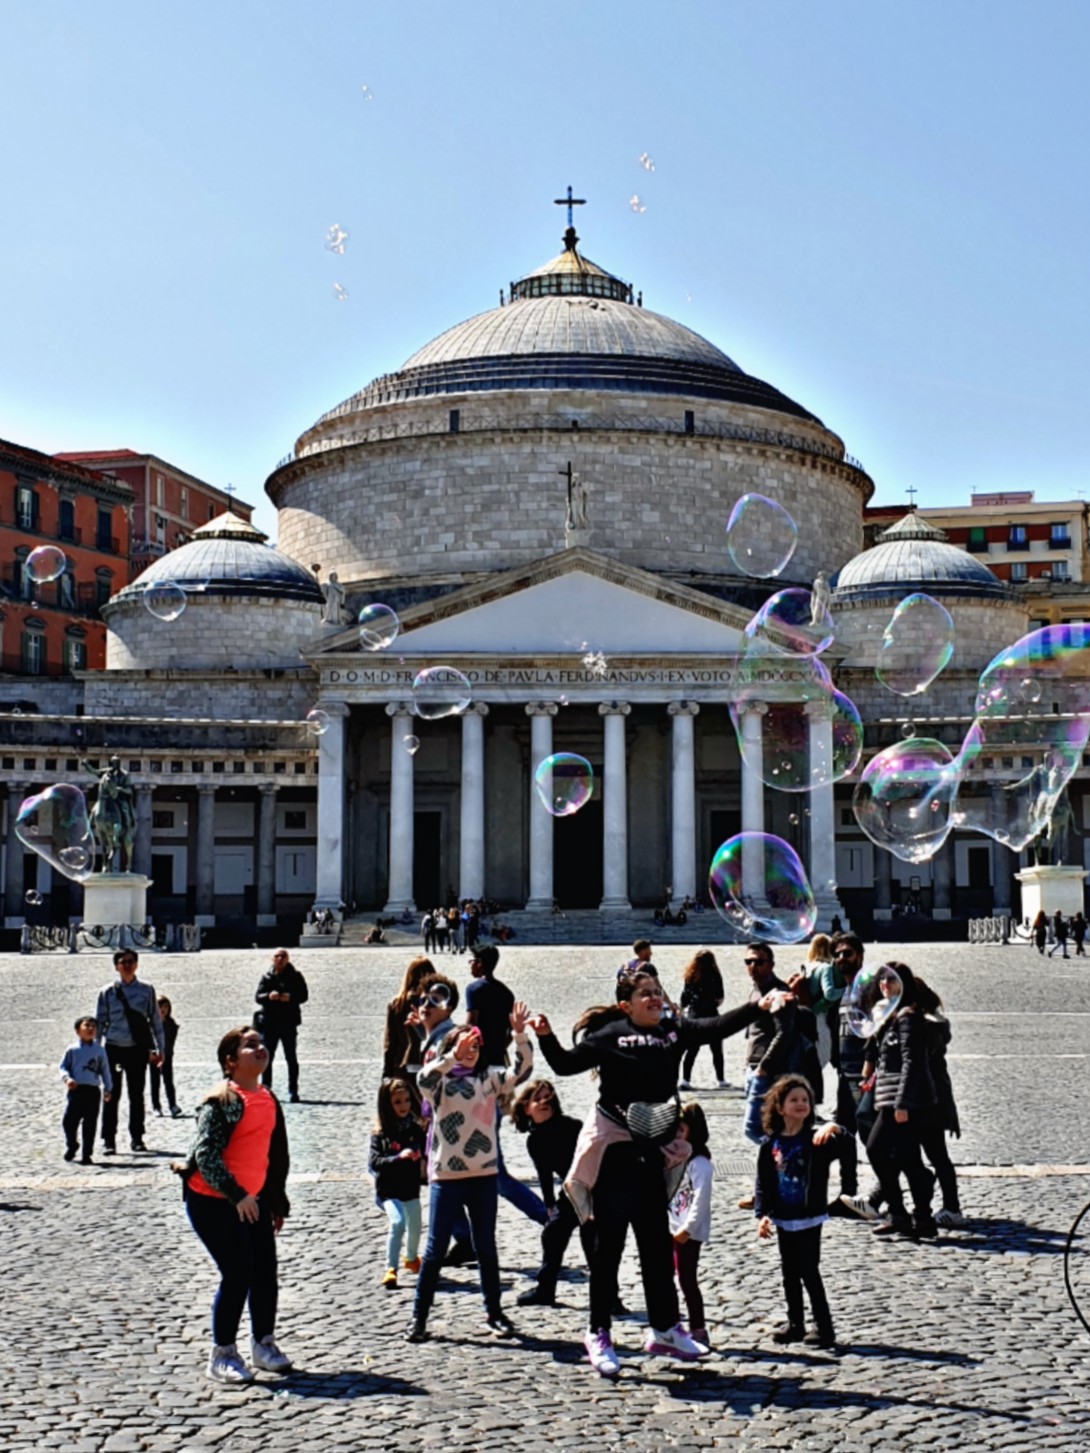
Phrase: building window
(23, 585)
(690, 421)
(104, 530)
(75, 650)
(1018, 570)
(1058, 537)
(104, 585)
(159, 490)
(185, 503)
(1061, 570)
(1016, 538)
(455, 420)
(211, 512)
(295, 820)
(33, 648)
(978, 540)
(66, 520)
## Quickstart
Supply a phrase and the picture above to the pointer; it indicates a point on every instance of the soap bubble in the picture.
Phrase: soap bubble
(871, 998)
(317, 721)
(565, 783)
(367, 93)
(379, 626)
(916, 645)
(636, 205)
(905, 797)
(790, 623)
(908, 730)
(55, 824)
(758, 884)
(33, 897)
(809, 741)
(440, 691)
(341, 294)
(411, 745)
(164, 599)
(761, 536)
(44, 564)
(1031, 691)
(335, 239)
(647, 162)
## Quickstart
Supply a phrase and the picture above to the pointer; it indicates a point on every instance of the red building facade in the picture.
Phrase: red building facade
(54, 629)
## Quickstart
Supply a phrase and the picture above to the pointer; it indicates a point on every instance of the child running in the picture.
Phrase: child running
(235, 1198)
(691, 1218)
(463, 1161)
(397, 1148)
(791, 1196)
(85, 1070)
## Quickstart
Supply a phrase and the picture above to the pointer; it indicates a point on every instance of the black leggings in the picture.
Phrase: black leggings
(800, 1260)
(933, 1145)
(555, 1236)
(716, 1047)
(245, 1253)
(893, 1150)
(631, 1191)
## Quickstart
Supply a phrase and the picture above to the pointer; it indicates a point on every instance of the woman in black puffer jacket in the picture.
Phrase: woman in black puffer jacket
(905, 1102)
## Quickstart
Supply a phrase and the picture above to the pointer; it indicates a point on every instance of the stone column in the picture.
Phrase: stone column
(682, 798)
(471, 854)
(541, 715)
(266, 856)
(615, 809)
(942, 868)
(14, 917)
(206, 856)
(753, 797)
(141, 848)
(822, 813)
(883, 885)
(399, 891)
(1001, 858)
(330, 848)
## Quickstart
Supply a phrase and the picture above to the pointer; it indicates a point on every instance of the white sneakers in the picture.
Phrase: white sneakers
(674, 1343)
(601, 1354)
(225, 1364)
(949, 1218)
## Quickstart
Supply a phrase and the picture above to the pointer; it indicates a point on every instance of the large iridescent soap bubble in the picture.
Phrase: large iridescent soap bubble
(165, 599)
(45, 563)
(759, 886)
(55, 824)
(796, 745)
(564, 783)
(871, 999)
(905, 798)
(379, 626)
(790, 623)
(440, 691)
(761, 536)
(917, 645)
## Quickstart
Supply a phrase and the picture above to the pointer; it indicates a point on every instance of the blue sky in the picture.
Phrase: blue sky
(880, 208)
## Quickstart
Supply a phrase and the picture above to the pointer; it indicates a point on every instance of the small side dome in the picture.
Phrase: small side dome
(915, 555)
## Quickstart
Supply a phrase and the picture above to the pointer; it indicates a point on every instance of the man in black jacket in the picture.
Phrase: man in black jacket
(281, 993)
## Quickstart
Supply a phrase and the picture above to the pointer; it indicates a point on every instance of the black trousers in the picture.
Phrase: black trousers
(631, 1191)
(245, 1253)
(81, 1117)
(275, 1035)
(800, 1260)
(687, 1063)
(894, 1150)
(849, 1118)
(933, 1145)
(555, 1236)
(164, 1077)
(129, 1067)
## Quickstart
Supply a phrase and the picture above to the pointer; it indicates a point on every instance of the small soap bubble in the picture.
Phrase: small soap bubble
(871, 998)
(440, 691)
(341, 294)
(44, 564)
(317, 721)
(164, 599)
(761, 536)
(367, 93)
(562, 700)
(908, 730)
(635, 204)
(793, 819)
(335, 239)
(411, 745)
(564, 783)
(56, 825)
(904, 799)
(33, 897)
(759, 885)
(917, 645)
(1030, 691)
(379, 626)
(647, 162)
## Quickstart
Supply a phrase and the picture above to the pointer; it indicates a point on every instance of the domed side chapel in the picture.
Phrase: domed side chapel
(541, 493)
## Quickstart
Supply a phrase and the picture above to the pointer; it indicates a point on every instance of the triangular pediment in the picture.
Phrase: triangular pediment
(567, 603)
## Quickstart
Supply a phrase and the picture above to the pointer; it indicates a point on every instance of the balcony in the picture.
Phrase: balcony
(1014, 543)
(83, 599)
(977, 547)
(1059, 542)
(64, 535)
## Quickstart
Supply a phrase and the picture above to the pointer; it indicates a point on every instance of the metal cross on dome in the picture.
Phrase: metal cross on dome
(569, 201)
(912, 492)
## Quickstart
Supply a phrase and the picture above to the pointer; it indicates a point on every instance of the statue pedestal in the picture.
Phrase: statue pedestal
(575, 538)
(1050, 886)
(115, 898)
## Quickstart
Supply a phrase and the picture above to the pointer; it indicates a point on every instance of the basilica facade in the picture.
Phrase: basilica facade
(541, 494)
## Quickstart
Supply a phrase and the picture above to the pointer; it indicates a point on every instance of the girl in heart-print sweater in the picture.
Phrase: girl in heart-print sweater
(462, 1159)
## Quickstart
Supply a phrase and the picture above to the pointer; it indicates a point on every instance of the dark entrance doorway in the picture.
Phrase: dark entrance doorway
(427, 836)
(577, 857)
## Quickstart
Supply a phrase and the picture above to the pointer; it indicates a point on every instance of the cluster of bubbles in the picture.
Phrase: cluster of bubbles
(635, 204)
(761, 536)
(759, 886)
(45, 563)
(564, 783)
(596, 663)
(341, 294)
(335, 239)
(55, 824)
(164, 599)
(647, 162)
(872, 997)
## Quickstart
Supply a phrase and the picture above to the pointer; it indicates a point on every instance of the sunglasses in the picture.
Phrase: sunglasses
(754, 963)
(844, 953)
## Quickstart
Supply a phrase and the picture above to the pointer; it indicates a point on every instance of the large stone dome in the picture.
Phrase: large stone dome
(915, 555)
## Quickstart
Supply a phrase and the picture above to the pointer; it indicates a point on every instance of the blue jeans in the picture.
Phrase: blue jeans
(404, 1219)
(521, 1196)
(478, 1197)
(757, 1086)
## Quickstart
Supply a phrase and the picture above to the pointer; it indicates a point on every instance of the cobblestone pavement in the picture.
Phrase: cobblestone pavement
(968, 1343)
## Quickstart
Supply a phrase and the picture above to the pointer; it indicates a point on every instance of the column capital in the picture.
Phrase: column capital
(145, 789)
(334, 707)
(399, 708)
(754, 708)
(475, 708)
(269, 789)
(819, 710)
(541, 708)
(207, 789)
(614, 708)
(683, 708)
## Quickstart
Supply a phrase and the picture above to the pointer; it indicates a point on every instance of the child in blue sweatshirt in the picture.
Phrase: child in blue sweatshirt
(84, 1069)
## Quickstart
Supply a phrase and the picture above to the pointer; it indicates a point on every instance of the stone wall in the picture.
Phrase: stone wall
(219, 696)
(213, 632)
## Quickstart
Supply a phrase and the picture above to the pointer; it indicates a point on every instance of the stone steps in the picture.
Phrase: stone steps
(577, 926)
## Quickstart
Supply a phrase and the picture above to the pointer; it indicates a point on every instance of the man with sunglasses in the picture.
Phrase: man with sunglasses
(130, 1028)
(760, 964)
